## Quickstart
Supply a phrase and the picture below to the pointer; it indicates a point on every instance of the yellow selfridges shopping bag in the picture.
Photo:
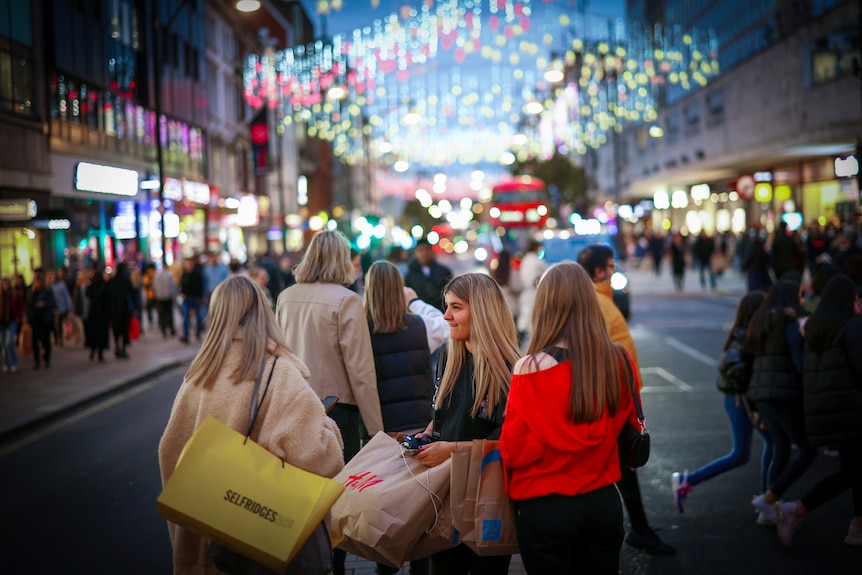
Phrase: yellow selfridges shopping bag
(234, 491)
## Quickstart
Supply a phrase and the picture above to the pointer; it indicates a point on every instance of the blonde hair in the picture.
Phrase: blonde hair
(493, 339)
(567, 310)
(384, 297)
(238, 304)
(327, 261)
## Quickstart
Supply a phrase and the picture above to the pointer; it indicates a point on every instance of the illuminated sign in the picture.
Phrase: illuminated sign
(763, 192)
(14, 210)
(105, 179)
(196, 192)
(247, 214)
(846, 167)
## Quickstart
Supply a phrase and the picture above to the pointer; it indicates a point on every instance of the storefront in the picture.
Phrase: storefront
(22, 244)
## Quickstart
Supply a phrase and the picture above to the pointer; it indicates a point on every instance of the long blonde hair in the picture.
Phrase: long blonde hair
(567, 310)
(327, 261)
(493, 339)
(384, 297)
(238, 304)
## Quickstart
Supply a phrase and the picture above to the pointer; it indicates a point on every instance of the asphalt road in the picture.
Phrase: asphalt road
(80, 492)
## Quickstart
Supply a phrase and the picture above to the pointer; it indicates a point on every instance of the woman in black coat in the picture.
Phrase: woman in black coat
(40, 313)
(120, 306)
(98, 317)
(833, 403)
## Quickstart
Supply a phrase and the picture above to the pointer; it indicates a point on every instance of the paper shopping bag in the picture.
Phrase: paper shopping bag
(487, 523)
(234, 491)
(440, 535)
(388, 503)
(459, 480)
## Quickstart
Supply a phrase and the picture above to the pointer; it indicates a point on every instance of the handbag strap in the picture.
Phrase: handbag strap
(631, 380)
(255, 404)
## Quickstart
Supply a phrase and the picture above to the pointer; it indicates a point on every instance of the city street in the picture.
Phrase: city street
(81, 488)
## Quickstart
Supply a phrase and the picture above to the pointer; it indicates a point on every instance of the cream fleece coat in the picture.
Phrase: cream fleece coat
(291, 424)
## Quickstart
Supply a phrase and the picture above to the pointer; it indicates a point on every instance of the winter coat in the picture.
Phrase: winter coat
(405, 377)
(325, 325)
(429, 288)
(618, 329)
(291, 425)
(98, 315)
(734, 367)
(774, 375)
(40, 307)
(832, 383)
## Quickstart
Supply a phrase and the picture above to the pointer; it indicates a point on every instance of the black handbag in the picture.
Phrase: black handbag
(633, 443)
(315, 555)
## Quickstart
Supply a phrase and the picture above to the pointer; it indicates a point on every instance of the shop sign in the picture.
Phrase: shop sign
(105, 179)
(247, 214)
(173, 190)
(745, 187)
(846, 167)
(763, 192)
(18, 210)
(196, 192)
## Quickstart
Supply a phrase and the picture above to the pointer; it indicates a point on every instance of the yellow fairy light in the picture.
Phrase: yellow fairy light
(564, 20)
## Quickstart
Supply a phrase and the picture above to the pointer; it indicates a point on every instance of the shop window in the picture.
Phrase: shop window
(692, 118)
(671, 128)
(834, 56)
(715, 108)
(17, 80)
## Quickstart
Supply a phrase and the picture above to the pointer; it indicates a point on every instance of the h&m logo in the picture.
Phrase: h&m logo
(362, 481)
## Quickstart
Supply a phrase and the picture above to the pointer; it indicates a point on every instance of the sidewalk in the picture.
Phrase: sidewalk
(31, 396)
(644, 281)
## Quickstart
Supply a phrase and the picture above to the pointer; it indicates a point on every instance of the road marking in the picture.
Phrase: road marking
(691, 352)
(664, 375)
(76, 418)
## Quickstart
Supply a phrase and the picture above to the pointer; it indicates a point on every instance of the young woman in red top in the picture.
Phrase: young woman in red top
(568, 401)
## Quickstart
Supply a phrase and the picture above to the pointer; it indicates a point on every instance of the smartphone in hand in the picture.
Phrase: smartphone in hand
(329, 402)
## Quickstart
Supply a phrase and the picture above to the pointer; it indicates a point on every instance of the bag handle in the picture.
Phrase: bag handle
(255, 405)
(631, 381)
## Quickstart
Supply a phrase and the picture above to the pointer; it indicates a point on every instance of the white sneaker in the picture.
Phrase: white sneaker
(762, 519)
(788, 521)
(768, 511)
(854, 535)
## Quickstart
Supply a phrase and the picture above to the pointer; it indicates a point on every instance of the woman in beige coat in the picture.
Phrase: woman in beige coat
(291, 422)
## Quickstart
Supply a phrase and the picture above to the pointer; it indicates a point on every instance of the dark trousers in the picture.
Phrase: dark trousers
(849, 476)
(349, 422)
(418, 567)
(165, 308)
(42, 341)
(561, 534)
(461, 560)
(630, 490)
(785, 422)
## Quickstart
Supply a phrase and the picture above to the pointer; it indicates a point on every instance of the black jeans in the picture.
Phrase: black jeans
(849, 476)
(785, 422)
(630, 491)
(571, 534)
(461, 560)
(349, 422)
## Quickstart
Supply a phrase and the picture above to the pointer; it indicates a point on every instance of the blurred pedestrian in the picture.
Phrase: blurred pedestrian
(261, 278)
(598, 261)
(833, 405)
(165, 292)
(214, 273)
(532, 268)
(472, 386)
(426, 275)
(703, 250)
(677, 260)
(508, 279)
(324, 323)
(785, 251)
(98, 319)
(734, 375)
(63, 301)
(398, 257)
(775, 340)
(192, 290)
(757, 263)
(150, 302)
(12, 308)
(41, 308)
(120, 308)
(243, 341)
(568, 402)
(402, 342)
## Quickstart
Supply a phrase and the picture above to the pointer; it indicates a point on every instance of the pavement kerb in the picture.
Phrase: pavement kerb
(31, 420)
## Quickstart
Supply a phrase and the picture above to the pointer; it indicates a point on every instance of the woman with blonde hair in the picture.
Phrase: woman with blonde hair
(569, 400)
(324, 323)
(402, 337)
(243, 343)
(472, 386)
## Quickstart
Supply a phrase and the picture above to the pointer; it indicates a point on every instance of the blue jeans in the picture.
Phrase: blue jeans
(706, 265)
(741, 431)
(786, 424)
(189, 304)
(7, 344)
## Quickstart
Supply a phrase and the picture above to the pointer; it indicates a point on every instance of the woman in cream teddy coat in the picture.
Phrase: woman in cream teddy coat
(291, 422)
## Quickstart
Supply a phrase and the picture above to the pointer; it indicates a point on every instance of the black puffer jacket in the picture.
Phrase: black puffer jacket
(832, 382)
(774, 376)
(734, 367)
(405, 379)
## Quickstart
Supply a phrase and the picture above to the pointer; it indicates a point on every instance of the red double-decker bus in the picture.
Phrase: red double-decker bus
(520, 202)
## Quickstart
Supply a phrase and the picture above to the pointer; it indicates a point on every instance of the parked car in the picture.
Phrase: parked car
(559, 249)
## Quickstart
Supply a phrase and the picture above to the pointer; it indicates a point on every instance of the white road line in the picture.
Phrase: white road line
(76, 418)
(664, 375)
(691, 352)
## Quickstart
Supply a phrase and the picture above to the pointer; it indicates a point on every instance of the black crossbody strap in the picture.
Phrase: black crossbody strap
(631, 379)
(255, 404)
